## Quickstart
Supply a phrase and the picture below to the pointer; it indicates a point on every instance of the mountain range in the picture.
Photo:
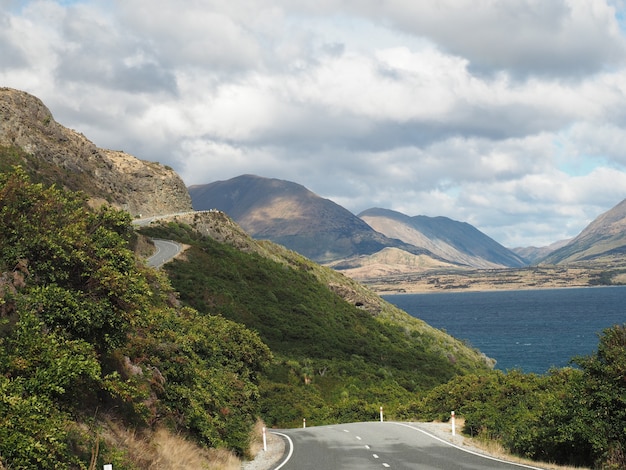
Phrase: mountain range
(457, 242)
(291, 215)
(376, 241)
(603, 238)
(380, 242)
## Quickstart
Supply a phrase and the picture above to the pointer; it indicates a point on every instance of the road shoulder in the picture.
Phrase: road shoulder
(267, 459)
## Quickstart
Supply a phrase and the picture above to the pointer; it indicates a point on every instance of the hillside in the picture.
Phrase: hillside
(456, 242)
(534, 254)
(52, 153)
(340, 350)
(291, 215)
(99, 363)
(388, 263)
(605, 237)
(104, 360)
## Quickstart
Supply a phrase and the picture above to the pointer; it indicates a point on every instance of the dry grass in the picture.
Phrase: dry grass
(164, 450)
(256, 439)
(496, 450)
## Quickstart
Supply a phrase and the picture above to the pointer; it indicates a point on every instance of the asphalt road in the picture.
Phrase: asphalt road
(376, 445)
(165, 251)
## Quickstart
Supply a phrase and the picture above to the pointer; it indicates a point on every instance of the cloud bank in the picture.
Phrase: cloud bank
(507, 115)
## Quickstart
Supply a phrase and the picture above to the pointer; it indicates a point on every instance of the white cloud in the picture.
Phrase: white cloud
(560, 37)
(508, 115)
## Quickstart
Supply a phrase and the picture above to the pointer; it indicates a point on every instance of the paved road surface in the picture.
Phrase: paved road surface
(376, 445)
(165, 251)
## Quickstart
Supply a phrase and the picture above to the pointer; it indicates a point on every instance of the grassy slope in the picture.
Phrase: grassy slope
(341, 351)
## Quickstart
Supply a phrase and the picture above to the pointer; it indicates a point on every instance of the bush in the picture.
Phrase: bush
(568, 416)
(87, 331)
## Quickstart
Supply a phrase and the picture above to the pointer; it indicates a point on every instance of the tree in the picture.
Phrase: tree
(605, 388)
(85, 326)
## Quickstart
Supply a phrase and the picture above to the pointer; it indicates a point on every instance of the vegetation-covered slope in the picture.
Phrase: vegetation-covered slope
(341, 352)
(92, 341)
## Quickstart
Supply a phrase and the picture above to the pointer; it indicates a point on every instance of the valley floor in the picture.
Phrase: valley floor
(535, 277)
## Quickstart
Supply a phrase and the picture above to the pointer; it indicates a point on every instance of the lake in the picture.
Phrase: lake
(531, 330)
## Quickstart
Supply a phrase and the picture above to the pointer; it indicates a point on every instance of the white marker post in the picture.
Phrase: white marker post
(108, 466)
(381, 414)
(304, 422)
(453, 423)
(264, 440)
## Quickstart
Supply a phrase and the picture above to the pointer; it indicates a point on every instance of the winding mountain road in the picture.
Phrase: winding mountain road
(374, 445)
(165, 251)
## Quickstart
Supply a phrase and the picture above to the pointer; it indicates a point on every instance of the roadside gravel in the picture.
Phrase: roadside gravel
(267, 459)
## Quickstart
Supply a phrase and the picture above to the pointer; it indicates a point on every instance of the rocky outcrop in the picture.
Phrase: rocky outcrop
(66, 157)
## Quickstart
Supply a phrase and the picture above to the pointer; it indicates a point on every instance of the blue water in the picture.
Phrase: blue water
(531, 330)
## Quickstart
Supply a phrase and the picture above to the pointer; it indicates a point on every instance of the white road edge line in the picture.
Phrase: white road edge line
(461, 448)
(290, 449)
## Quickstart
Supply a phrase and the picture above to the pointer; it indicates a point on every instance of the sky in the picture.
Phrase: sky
(506, 114)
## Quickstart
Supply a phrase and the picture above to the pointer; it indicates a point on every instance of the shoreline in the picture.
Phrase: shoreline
(476, 290)
(531, 278)
(605, 272)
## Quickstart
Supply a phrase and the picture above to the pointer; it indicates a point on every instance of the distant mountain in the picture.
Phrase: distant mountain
(390, 262)
(534, 254)
(604, 237)
(290, 215)
(457, 242)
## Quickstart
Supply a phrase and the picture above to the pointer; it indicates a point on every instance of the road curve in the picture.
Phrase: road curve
(376, 445)
(165, 251)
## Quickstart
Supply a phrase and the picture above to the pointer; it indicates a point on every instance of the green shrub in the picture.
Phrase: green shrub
(86, 330)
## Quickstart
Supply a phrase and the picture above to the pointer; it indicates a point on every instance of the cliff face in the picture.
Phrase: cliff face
(69, 158)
